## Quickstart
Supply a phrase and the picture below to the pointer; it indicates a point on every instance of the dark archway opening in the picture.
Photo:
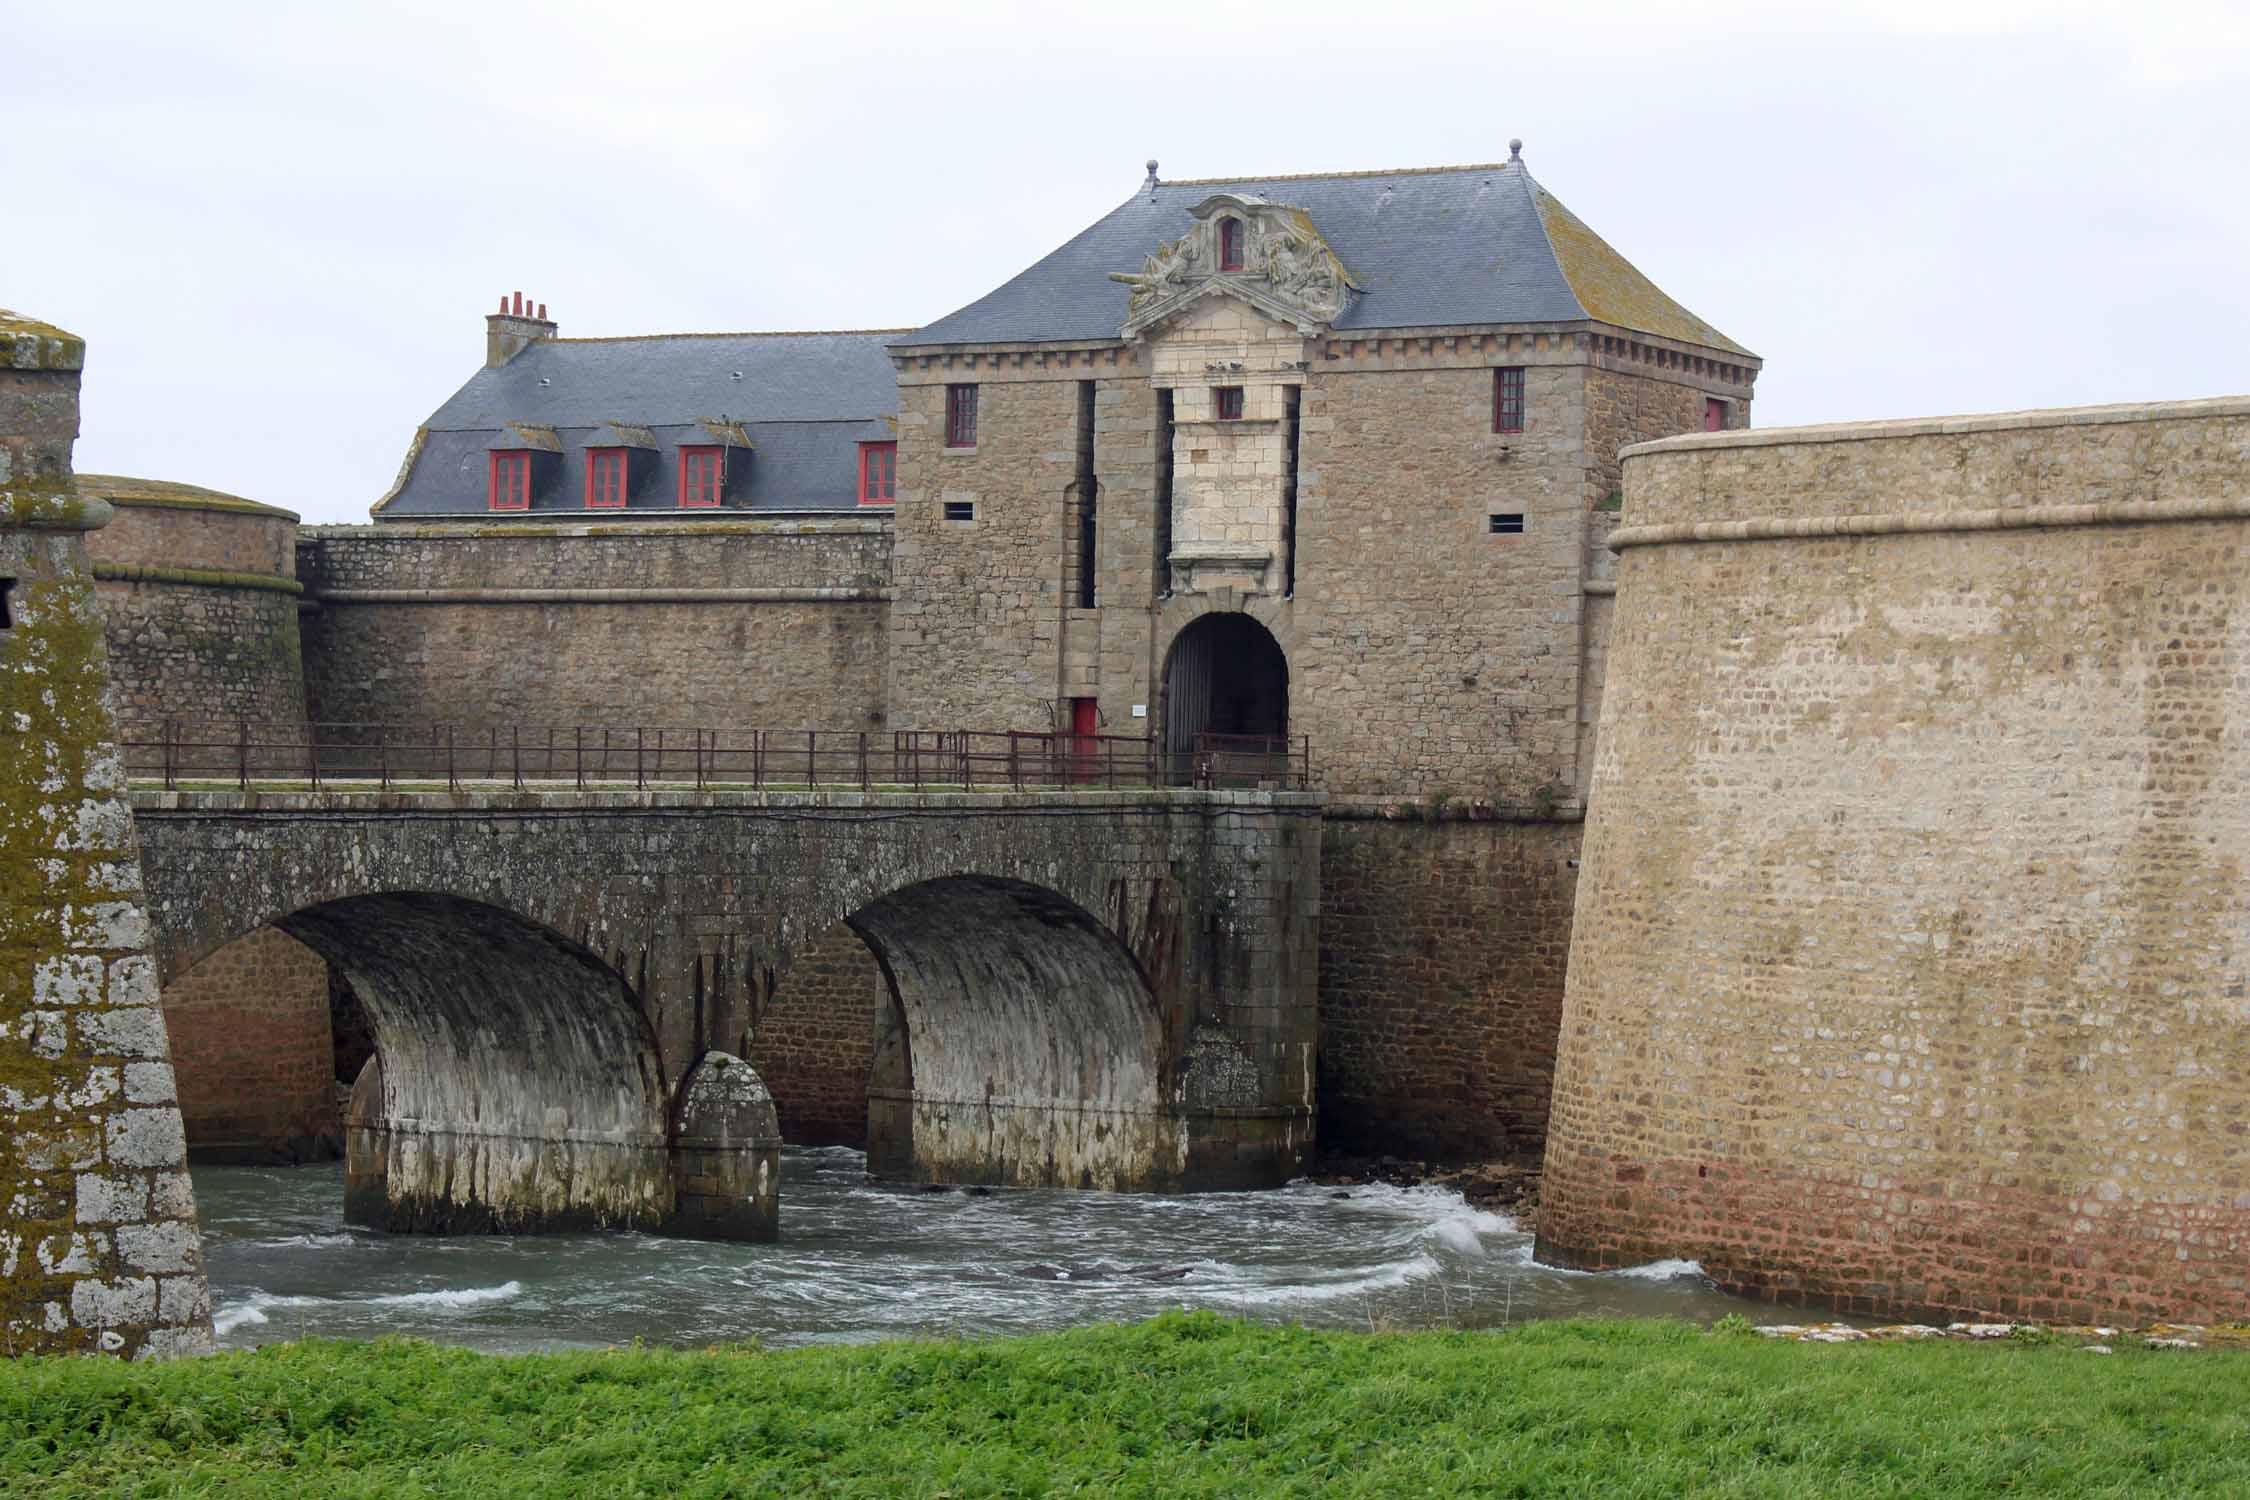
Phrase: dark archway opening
(511, 1080)
(1020, 1043)
(1226, 702)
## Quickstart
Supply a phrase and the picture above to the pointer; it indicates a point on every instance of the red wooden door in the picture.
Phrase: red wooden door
(1085, 724)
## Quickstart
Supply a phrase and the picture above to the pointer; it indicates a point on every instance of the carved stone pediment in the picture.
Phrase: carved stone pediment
(1286, 269)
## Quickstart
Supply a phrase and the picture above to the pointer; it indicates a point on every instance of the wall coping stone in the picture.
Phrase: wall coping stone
(147, 799)
(1908, 427)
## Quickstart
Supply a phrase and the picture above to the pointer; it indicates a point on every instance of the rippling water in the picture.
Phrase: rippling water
(859, 1260)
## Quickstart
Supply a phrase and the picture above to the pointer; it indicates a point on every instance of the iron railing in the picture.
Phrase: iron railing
(245, 751)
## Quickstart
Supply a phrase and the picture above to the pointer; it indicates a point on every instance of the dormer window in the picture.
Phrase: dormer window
(878, 473)
(703, 475)
(508, 480)
(1230, 244)
(606, 470)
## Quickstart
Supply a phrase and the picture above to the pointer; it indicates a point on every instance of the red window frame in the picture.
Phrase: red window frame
(703, 475)
(960, 416)
(606, 473)
(1714, 414)
(508, 479)
(1230, 244)
(878, 473)
(1226, 401)
(1507, 399)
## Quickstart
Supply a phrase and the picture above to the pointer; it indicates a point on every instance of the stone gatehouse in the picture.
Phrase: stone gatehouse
(1320, 462)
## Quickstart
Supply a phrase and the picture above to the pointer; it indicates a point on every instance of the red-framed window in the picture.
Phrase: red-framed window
(1227, 399)
(960, 416)
(1230, 244)
(605, 478)
(1714, 414)
(1507, 399)
(508, 481)
(703, 475)
(878, 473)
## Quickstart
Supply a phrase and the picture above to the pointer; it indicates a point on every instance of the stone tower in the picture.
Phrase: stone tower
(98, 1241)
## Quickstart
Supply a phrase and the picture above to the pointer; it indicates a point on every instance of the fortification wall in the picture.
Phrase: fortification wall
(723, 624)
(198, 594)
(1908, 970)
(813, 1039)
(1442, 944)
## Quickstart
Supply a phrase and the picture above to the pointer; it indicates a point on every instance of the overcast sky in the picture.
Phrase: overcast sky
(279, 227)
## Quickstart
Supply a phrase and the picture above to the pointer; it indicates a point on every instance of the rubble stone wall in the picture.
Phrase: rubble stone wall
(252, 1048)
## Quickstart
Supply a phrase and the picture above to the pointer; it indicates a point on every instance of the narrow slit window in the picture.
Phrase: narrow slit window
(878, 473)
(1507, 399)
(605, 478)
(1230, 244)
(703, 476)
(1507, 523)
(960, 416)
(7, 605)
(960, 510)
(508, 483)
(1228, 400)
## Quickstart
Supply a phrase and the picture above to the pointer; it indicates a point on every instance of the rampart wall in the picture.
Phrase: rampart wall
(1909, 968)
(720, 624)
(199, 600)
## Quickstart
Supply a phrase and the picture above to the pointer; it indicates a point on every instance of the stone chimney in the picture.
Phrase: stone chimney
(99, 1236)
(514, 328)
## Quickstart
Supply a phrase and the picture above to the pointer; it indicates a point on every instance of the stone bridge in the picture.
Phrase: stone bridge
(1092, 989)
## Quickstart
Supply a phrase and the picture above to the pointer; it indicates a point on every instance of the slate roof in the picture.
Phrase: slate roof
(805, 401)
(1430, 247)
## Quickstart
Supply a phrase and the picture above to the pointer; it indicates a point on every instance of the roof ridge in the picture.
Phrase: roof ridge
(1476, 166)
(747, 333)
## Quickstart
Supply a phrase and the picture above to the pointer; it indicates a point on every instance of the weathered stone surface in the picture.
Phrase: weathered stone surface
(564, 959)
(252, 1046)
(1908, 967)
(73, 1152)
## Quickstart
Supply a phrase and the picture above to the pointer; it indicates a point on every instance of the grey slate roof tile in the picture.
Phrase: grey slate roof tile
(805, 401)
(1429, 247)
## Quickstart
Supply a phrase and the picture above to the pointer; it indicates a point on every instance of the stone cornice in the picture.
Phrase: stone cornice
(201, 578)
(1930, 522)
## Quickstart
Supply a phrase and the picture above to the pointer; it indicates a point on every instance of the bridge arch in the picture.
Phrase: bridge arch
(1023, 1042)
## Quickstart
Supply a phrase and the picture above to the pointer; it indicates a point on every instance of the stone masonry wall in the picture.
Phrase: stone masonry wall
(690, 625)
(199, 602)
(814, 1040)
(977, 624)
(1908, 962)
(1442, 947)
(252, 1050)
(98, 1242)
(1429, 653)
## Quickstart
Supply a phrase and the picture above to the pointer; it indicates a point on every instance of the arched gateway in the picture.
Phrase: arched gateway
(1226, 701)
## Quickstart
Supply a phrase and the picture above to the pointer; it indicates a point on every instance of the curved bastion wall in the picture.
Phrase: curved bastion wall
(198, 593)
(1910, 971)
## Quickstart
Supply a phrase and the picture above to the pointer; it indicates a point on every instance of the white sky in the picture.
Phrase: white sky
(279, 226)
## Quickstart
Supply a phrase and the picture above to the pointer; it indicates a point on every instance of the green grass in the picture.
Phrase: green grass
(1187, 1405)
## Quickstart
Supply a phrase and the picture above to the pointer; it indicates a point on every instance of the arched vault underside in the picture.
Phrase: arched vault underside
(1034, 1053)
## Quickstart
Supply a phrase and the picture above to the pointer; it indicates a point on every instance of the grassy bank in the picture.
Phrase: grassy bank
(1186, 1405)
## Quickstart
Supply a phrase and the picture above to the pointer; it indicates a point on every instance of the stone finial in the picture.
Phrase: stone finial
(1150, 184)
(1515, 149)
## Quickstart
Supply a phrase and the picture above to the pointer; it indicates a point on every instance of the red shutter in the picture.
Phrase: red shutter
(1714, 414)
(878, 473)
(605, 478)
(508, 481)
(703, 475)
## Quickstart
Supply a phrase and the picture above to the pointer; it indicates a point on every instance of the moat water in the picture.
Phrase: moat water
(859, 1260)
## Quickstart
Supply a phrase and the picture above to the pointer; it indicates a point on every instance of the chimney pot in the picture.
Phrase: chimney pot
(542, 312)
(503, 304)
(519, 304)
